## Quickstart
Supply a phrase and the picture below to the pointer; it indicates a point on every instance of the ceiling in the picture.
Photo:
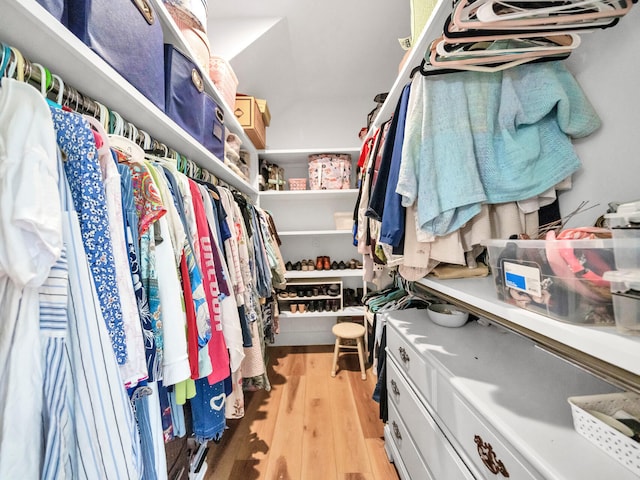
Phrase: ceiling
(284, 50)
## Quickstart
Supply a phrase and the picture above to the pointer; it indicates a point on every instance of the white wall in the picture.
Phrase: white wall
(311, 123)
(607, 66)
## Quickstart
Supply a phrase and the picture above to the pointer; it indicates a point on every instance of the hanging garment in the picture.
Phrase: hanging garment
(175, 366)
(56, 415)
(107, 444)
(82, 169)
(392, 214)
(232, 250)
(197, 311)
(207, 410)
(134, 369)
(228, 306)
(217, 346)
(30, 244)
(130, 218)
(149, 417)
(489, 137)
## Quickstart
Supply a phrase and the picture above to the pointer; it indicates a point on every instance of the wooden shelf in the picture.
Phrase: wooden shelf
(173, 35)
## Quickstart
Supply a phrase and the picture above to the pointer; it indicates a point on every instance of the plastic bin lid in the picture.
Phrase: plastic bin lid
(630, 278)
(628, 219)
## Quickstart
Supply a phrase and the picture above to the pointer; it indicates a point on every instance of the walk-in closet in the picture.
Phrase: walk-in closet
(339, 240)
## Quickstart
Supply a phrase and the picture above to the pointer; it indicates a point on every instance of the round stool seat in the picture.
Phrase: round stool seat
(348, 330)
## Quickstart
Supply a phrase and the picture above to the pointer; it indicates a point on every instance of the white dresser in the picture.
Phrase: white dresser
(479, 402)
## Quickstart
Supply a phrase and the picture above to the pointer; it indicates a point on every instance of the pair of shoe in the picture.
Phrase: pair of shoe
(353, 264)
(297, 307)
(333, 290)
(323, 263)
(323, 306)
(307, 265)
(351, 298)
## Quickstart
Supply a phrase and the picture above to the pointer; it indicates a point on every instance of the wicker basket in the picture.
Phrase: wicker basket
(297, 184)
(624, 449)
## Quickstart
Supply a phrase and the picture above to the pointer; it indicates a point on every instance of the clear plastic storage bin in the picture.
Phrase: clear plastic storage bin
(561, 279)
(625, 293)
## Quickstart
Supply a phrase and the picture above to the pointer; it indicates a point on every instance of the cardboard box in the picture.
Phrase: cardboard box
(250, 118)
(264, 110)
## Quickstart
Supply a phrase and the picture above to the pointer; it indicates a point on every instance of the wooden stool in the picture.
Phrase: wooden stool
(348, 331)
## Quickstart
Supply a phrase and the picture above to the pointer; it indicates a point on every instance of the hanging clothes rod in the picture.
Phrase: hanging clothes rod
(12, 61)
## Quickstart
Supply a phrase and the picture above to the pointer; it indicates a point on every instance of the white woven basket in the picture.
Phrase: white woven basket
(616, 444)
(343, 220)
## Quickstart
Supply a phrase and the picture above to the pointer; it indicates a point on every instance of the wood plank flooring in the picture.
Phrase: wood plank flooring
(309, 426)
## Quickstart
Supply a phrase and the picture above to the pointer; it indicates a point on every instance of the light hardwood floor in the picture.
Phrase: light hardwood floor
(309, 426)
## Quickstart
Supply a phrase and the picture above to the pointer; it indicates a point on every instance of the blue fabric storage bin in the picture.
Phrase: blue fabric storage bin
(127, 34)
(213, 133)
(184, 92)
(57, 8)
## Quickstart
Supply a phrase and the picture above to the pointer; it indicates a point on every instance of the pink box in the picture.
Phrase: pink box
(224, 78)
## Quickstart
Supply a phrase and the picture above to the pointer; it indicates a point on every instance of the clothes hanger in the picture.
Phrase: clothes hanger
(502, 10)
(465, 16)
(503, 61)
(103, 115)
(452, 35)
(60, 93)
(6, 58)
(428, 73)
(19, 73)
(505, 46)
(123, 144)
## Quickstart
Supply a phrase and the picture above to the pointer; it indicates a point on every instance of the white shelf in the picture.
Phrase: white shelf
(308, 194)
(602, 343)
(173, 35)
(347, 272)
(431, 31)
(345, 312)
(298, 233)
(297, 155)
(48, 42)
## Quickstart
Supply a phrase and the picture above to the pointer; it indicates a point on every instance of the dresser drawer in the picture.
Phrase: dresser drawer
(434, 448)
(411, 363)
(396, 433)
(492, 457)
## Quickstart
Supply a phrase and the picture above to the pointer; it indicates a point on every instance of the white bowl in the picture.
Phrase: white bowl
(447, 315)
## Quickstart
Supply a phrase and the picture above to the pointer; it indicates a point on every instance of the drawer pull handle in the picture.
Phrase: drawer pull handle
(394, 388)
(488, 457)
(404, 356)
(396, 431)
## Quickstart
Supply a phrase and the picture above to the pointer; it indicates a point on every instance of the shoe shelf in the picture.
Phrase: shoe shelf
(356, 311)
(321, 295)
(347, 272)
